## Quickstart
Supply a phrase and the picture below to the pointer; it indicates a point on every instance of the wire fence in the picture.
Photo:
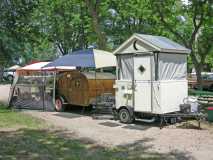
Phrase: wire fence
(33, 92)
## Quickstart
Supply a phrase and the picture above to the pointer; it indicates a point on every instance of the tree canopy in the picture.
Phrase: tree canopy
(43, 29)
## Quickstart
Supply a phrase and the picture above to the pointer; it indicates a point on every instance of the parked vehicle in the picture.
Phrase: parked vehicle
(207, 81)
(82, 88)
(9, 73)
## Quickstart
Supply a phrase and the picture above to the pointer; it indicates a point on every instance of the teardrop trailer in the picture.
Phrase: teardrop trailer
(151, 80)
(83, 88)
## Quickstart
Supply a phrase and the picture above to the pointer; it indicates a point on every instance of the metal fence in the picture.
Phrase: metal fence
(33, 92)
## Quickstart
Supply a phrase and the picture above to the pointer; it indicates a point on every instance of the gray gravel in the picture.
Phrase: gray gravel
(196, 144)
(4, 93)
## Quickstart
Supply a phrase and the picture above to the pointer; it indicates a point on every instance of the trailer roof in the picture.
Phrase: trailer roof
(163, 42)
(153, 43)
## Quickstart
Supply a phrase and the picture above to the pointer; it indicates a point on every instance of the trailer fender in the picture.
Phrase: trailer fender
(62, 98)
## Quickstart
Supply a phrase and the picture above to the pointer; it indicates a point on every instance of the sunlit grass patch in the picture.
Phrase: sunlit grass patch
(10, 118)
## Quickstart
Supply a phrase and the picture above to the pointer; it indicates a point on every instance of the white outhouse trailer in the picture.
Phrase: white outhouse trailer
(151, 76)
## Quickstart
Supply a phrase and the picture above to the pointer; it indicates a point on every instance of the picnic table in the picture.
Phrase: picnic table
(206, 99)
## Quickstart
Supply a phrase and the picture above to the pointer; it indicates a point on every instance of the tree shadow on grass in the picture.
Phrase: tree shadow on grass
(30, 144)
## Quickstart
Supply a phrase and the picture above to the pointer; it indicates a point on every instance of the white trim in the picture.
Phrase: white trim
(124, 44)
(156, 48)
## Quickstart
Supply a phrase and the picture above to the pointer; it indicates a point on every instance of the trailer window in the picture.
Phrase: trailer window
(141, 68)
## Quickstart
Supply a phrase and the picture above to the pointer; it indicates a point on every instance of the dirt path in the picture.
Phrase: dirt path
(4, 93)
(188, 143)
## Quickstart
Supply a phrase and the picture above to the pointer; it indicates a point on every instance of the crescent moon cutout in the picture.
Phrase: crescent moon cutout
(134, 45)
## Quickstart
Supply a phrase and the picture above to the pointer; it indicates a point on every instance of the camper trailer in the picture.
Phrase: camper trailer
(151, 77)
(82, 88)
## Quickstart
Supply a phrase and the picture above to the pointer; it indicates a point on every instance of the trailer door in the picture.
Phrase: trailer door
(142, 79)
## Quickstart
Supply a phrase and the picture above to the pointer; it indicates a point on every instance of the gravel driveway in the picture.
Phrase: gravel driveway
(4, 93)
(188, 143)
(192, 143)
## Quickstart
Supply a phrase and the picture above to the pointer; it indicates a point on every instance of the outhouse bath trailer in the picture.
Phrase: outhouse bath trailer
(151, 77)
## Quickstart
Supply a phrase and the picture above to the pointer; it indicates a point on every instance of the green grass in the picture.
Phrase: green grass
(9, 119)
(32, 139)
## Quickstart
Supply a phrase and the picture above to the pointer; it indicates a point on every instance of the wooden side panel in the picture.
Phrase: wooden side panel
(78, 90)
(99, 87)
(74, 87)
(78, 94)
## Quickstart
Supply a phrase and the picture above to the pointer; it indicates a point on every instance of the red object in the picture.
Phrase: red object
(210, 108)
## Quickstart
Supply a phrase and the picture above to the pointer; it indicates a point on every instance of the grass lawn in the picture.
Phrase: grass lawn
(12, 119)
(23, 137)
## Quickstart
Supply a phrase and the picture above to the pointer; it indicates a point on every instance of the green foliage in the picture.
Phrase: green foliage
(190, 24)
(38, 29)
(16, 27)
(121, 19)
(64, 23)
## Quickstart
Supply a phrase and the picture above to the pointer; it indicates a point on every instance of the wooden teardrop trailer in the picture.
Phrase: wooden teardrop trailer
(83, 88)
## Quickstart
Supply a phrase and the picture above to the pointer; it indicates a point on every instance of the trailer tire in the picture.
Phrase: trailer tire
(59, 107)
(125, 116)
(10, 78)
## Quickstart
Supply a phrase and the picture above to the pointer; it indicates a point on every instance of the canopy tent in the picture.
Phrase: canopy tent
(33, 67)
(36, 67)
(85, 58)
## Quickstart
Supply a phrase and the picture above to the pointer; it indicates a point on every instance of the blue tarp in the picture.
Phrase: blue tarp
(82, 58)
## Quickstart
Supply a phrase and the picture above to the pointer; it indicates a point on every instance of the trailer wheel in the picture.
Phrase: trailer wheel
(59, 105)
(125, 116)
(10, 78)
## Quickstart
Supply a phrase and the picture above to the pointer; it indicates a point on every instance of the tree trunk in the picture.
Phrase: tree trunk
(198, 70)
(93, 11)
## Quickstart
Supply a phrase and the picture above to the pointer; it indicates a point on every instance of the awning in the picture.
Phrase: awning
(38, 67)
(33, 67)
(85, 58)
